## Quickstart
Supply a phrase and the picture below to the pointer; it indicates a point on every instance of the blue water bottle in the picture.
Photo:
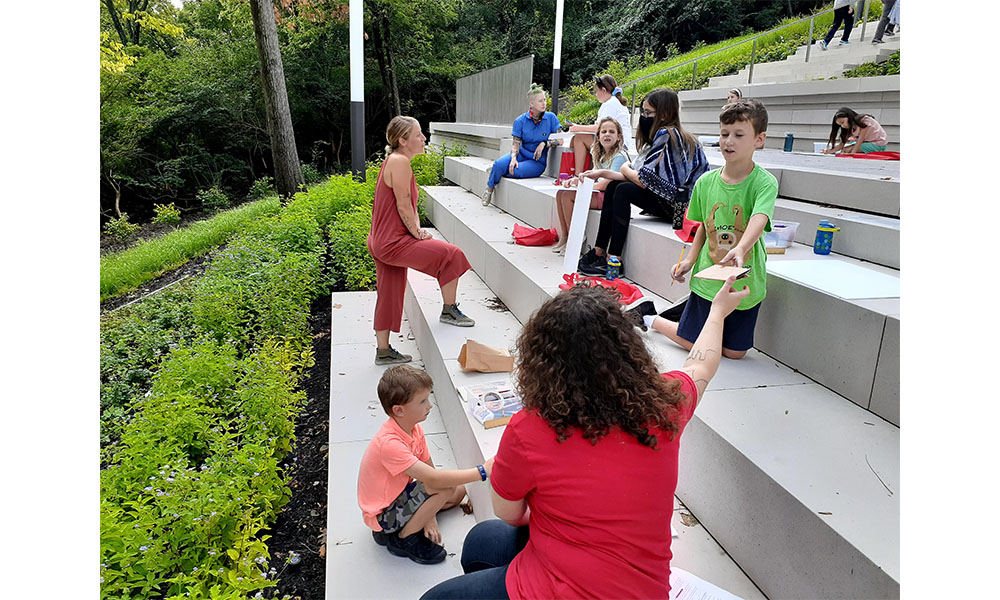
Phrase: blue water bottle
(614, 268)
(789, 140)
(824, 237)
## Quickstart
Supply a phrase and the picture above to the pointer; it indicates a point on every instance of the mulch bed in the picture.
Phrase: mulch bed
(301, 526)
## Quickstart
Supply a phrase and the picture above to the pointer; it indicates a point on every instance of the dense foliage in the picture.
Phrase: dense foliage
(181, 102)
(889, 67)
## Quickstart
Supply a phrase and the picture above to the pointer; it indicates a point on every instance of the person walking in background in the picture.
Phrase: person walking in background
(529, 151)
(396, 242)
(886, 23)
(843, 12)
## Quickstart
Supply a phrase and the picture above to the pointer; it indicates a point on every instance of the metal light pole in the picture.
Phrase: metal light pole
(556, 56)
(357, 89)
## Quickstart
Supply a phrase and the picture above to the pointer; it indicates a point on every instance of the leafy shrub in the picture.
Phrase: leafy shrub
(889, 67)
(185, 500)
(166, 214)
(262, 188)
(213, 199)
(310, 174)
(353, 266)
(120, 228)
(134, 340)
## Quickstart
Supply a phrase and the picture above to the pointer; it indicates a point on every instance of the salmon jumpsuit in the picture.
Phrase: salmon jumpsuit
(395, 249)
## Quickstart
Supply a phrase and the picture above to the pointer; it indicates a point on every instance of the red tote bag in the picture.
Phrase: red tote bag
(526, 236)
(567, 166)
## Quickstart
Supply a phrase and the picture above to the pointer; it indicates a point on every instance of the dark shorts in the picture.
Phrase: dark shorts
(395, 516)
(737, 329)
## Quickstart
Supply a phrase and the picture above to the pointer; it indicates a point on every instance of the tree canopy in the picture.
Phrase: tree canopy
(182, 107)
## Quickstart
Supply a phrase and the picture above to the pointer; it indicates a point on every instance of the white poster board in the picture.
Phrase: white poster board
(578, 225)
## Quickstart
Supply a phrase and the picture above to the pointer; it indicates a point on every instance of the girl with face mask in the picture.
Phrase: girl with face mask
(659, 180)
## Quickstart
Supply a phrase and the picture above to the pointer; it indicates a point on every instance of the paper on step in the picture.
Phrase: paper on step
(685, 586)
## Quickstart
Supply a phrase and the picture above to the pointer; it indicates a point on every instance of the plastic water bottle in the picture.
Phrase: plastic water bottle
(789, 140)
(824, 237)
(614, 268)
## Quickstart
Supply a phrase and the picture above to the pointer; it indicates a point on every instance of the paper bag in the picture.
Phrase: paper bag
(485, 359)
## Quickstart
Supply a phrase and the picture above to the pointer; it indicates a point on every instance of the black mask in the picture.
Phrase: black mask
(645, 126)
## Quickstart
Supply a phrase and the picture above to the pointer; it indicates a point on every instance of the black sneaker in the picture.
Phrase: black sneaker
(587, 258)
(381, 537)
(598, 268)
(674, 312)
(417, 548)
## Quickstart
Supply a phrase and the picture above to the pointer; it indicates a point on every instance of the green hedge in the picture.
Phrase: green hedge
(211, 370)
(124, 271)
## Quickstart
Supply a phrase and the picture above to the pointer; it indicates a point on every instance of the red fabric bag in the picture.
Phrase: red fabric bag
(873, 155)
(567, 164)
(629, 293)
(526, 236)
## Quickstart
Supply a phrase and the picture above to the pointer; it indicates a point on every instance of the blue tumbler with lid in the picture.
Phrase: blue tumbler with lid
(789, 140)
(614, 268)
(824, 237)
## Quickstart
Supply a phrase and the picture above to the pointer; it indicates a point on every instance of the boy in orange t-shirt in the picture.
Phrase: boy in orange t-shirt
(399, 490)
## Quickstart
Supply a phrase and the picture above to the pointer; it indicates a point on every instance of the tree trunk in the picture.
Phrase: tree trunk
(287, 172)
(389, 62)
(380, 49)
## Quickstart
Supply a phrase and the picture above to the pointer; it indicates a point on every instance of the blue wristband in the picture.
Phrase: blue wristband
(482, 471)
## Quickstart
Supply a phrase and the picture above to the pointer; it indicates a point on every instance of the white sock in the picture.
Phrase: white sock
(648, 320)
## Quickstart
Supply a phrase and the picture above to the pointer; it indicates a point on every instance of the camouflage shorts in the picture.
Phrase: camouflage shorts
(394, 517)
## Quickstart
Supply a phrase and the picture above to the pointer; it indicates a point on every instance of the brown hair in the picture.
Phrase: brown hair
(583, 366)
(399, 128)
(597, 152)
(399, 384)
(668, 114)
(608, 84)
(745, 109)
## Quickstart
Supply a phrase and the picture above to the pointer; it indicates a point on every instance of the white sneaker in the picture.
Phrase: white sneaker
(822, 44)
(487, 197)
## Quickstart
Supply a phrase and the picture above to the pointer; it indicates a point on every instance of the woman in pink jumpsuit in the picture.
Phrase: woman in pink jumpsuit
(397, 243)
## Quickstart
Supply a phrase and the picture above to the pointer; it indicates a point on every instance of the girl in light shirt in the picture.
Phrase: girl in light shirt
(869, 136)
(612, 105)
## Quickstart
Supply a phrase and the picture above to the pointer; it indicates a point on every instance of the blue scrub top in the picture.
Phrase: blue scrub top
(531, 133)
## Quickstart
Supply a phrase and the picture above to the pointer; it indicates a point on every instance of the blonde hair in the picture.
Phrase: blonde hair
(536, 89)
(399, 128)
(597, 152)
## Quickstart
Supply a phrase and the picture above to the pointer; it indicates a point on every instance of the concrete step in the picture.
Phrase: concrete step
(871, 238)
(855, 331)
(355, 416)
(779, 465)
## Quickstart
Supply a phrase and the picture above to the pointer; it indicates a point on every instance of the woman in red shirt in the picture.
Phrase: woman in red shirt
(589, 467)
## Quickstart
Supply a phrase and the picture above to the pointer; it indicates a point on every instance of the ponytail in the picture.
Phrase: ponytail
(399, 128)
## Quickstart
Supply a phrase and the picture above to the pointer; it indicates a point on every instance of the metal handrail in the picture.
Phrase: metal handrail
(753, 52)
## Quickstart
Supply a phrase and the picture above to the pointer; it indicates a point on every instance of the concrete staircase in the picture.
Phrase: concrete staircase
(822, 64)
(792, 462)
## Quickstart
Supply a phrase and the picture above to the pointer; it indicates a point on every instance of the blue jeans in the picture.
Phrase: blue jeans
(526, 167)
(487, 553)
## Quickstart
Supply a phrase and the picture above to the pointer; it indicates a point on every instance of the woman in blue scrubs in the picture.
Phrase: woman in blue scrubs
(529, 150)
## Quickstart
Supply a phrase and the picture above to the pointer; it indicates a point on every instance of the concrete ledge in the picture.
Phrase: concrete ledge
(862, 236)
(781, 471)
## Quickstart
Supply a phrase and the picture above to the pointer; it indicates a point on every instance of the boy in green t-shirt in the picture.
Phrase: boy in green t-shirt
(734, 205)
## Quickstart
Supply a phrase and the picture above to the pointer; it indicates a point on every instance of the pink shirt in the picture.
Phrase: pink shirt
(873, 132)
(600, 514)
(381, 477)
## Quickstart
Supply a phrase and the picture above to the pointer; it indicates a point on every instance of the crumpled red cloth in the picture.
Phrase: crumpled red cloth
(873, 155)
(526, 236)
(629, 293)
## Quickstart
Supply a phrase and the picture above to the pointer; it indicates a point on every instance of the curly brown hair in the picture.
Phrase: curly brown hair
(583, 366)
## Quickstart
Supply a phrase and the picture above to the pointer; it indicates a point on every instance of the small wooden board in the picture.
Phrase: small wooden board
(721, 273)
